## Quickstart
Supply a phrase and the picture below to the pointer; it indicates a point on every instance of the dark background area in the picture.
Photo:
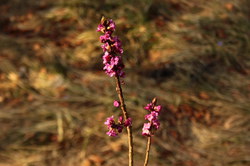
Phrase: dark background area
(54, 97)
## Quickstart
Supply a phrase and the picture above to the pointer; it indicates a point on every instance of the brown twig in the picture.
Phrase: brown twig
(125, 115)
(147, 151)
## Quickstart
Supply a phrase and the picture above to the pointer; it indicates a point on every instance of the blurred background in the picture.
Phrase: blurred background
(54, 97)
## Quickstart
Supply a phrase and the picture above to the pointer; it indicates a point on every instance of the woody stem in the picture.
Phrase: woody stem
(126, 116)
(147, 151)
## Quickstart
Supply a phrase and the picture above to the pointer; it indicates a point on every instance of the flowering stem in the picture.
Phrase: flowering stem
(147, 151)
(125, 114)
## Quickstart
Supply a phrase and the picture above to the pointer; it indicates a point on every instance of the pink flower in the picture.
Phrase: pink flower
(106, 26)
(113, 65)
(146, 126)
(105, 37)
(110, 121)
(153, 124)
(128, 122)
(112, 127)
(100, 28)
(117, 45)
(146, 132)
(106, 47)
(106, 57)
(115, 128)
(109, 70)
(112, 46)
(158, 108)
(152, 116)
(112, 133)
(149, 107)
(111, 25)
(156, 124)
(146, 129)
(115, 60)
(120, 120)
(116, 103)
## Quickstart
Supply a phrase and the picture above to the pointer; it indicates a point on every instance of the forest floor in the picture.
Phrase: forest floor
(54, 96)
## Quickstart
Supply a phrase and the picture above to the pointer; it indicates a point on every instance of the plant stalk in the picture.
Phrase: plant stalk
(126, 116)
(147, 151)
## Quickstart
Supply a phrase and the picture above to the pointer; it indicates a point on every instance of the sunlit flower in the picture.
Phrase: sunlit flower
(115, 128)
(116, 103)
(153, 124)
(112, 46)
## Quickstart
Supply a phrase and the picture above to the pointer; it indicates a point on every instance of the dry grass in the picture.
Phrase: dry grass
(192, 55)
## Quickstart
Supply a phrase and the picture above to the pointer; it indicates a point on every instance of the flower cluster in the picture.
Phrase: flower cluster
(112, 48)
(153, 124)
(115, 128)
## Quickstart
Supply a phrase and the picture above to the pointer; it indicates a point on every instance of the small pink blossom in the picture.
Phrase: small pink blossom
(112, 49)
(128, 122)
(112, 133)
(156, 124)
(105, 37)
(149, 107)
(117, 45)
(152, 116)
(110, 121)
(153, 124)
(116, 103)
(106, 48)
(111, 25)
(100, 28)
(146, 129)
(106, 57)
(120, 120)
(115, 128)
(158, 108)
